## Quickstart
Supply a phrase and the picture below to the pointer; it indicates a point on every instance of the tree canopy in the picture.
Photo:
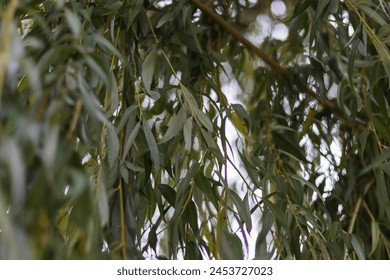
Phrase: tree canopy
(116, 124)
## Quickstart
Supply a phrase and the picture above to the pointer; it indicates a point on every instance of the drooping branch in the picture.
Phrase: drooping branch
(239, 37)
(274, 65)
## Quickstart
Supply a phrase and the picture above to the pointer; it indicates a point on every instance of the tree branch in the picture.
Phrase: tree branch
(274, 65)
(237, 35)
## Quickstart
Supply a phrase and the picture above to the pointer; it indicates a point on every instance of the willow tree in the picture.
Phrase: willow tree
(115, 116)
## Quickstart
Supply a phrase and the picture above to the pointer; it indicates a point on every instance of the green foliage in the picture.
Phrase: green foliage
(115, 130)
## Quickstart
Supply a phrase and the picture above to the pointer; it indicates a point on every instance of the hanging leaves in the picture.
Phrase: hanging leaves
(116, 130)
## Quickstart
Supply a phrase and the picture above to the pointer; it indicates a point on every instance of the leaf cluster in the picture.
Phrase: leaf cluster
(115, 130)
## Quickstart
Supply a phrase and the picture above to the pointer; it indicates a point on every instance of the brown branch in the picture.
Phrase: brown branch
(274, 65)
(237, 34)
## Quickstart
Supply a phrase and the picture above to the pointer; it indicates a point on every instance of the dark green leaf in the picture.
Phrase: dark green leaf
(168, 193)
(148, 70)
(358, 246)
(154, 153)
(232, 246)
(200, 117)
(175, 125)
(112, 145)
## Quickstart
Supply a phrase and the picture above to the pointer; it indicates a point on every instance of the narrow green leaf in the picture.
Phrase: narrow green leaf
(375, 236)
(168, 193)
(113, 96)
(334, 6)
(384, 31)
(376, 162)
(134, 167)
(11, 153)
(305, 182)
(287, 142)
(135, 7)
(363, 140)
(277, 213)
(154, 153)
(125, 116)
(372, 14)
(358, 246)
(50, 148)
(242, 208)
(267, 221)
(195, 36)
(231, 248)
(148, 69)
(191, 214)
(207, 189)
(165, 18)
(309, 216)
(102, 199)
(175, 124)
(320, 11)
(192, 251)
(184, 191)
(114, 5)
(242, 113)
(300, 7)
(247, 213)
(188, 134)
(96, 65)
(73, 22)
(382, 188)
(54, 55)
(130, 140)
(112, 145)
(335, 231)
(103, 42)
(380, 126)
(198, 114)
(351, 74)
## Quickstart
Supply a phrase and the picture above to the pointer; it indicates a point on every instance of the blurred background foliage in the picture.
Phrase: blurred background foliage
(119, 130)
